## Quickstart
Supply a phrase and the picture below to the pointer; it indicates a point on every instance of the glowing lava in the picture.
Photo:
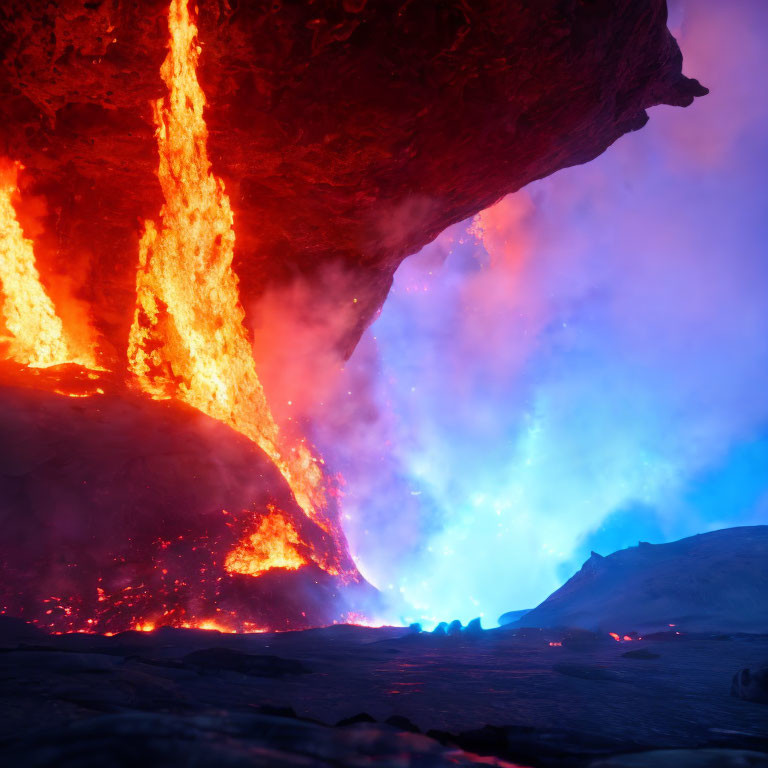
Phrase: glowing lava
(37, 335)
(188, 340)
(272, 545)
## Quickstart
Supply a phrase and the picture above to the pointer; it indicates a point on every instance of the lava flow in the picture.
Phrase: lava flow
(274, 544)
(188, 340)
(37, 337)
(140, 538)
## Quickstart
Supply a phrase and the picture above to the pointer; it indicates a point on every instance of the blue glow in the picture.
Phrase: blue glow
(582, 367)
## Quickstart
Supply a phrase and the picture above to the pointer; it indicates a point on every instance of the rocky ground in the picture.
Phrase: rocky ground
(355, 696)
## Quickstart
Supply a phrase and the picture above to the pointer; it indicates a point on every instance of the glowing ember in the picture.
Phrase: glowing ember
(208, 624)
(273, 545)
(362, 620)
(187, 339)
(37, 335)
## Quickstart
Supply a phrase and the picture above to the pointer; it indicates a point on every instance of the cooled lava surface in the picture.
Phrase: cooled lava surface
(273, 699)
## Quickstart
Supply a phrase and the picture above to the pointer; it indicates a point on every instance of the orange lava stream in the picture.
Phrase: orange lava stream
(272, 545)
(37, 336)
(209, 624)
(187, 340)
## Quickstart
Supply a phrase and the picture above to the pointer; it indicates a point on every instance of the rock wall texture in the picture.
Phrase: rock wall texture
(349, 133)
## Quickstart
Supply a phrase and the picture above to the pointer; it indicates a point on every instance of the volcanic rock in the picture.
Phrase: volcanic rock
(119, 511)
(751, 685)
(242, 741)
(348, 134)
(133, 697)
(713, 582)
(586, 672)
(402, 724)
(641, 653)
(581, 640)
(687, 758)
(510, 617)
(454, 629)
(474, 627)
(362, 717)
(245, 663)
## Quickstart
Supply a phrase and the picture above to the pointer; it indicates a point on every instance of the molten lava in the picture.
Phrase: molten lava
(188, 340)
(37, 335)
(272, 545)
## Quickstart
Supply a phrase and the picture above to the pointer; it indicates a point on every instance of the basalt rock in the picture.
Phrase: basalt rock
(348, 134)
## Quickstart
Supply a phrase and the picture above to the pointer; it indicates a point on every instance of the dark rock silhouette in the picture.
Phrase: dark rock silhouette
(510, 617)
(474, 627)
(751, 685)
(713, 582)
(454, 629)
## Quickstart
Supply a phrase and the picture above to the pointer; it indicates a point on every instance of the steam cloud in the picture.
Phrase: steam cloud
(581, 366)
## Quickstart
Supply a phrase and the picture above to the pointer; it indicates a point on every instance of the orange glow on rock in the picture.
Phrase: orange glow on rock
(272, 545)
(359, 619)
(187, 340)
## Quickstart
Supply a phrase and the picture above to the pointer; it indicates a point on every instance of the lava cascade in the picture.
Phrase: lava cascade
(273, 545)
(38, 338)
(188, 340)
